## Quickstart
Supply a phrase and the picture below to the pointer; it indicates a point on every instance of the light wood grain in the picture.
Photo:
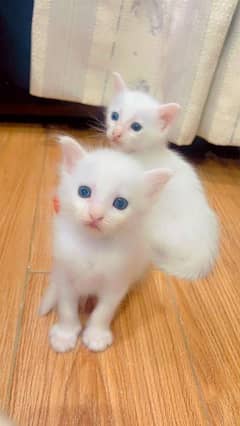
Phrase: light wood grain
(209, 309)
(175, 359)
(21, 159)
(41, 254)
(143, 379)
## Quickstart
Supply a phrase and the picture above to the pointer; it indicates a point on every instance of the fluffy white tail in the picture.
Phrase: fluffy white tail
(195, 261)
(193, 268)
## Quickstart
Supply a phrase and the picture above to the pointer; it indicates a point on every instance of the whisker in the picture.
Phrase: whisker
(96, 136)
(97, 120)
(100, 138)
(98, 129)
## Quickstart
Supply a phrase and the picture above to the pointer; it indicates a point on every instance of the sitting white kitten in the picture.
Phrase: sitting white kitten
(100, 239)
(184, 228)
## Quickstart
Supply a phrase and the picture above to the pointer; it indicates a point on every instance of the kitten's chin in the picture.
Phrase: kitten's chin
(120, 146)
(101, 230)
(128, 149)
(93, 227)
(115, 145)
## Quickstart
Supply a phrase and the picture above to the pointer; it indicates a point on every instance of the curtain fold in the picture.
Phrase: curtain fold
(180, 51)
(221, 118)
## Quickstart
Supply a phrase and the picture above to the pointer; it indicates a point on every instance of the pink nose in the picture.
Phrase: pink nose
(117, 133)
(96, 219)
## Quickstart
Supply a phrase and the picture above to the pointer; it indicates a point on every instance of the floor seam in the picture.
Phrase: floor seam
(37, 206)
(25, 285)
(17, 338)
(203, 404)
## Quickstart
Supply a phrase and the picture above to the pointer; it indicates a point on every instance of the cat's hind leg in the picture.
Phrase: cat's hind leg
(63, 335)
(49, 299)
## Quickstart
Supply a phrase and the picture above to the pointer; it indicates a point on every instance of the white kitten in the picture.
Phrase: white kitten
(184, 228)
(100, 239)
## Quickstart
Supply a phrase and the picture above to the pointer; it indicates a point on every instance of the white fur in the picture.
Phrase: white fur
(184, 227)
(4, 421)
(106, 261)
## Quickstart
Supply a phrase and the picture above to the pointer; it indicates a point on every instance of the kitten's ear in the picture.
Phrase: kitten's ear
(167, 114)
(119, 83)
(155, 179)
(72, 152)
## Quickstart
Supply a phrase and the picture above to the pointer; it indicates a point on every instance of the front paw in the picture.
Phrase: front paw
(97, 339)
(64, 338)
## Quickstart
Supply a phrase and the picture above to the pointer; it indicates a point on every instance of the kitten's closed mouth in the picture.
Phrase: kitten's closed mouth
(119, 145)
(93, 225)
(115, 142)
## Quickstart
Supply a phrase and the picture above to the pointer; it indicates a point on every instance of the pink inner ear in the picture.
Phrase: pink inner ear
(119, 84)
(155, 180)
(72, 152)
(168, 113)
(69, 155)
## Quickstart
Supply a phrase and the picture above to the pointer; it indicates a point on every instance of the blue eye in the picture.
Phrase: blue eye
(115, 116)
(120, 203)
(136, 126)
(84, 191)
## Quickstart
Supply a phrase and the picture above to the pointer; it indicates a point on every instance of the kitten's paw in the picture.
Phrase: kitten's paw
(97, 339)
(62, 338)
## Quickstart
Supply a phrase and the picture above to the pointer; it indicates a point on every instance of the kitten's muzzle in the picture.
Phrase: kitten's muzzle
(94, 222)
(116, 135)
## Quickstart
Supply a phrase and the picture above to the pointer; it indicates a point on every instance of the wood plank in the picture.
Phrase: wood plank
(41, 255)
(41, 258)
(143, 379)
(209, 309)
(21, 160)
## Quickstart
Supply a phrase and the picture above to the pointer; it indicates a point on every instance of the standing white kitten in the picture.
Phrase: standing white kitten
(184, 228)
(100, 239)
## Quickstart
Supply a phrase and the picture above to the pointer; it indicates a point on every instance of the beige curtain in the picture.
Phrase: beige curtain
(185, 51)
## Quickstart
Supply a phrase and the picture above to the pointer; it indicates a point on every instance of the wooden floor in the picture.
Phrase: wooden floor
(176, 356)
